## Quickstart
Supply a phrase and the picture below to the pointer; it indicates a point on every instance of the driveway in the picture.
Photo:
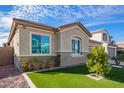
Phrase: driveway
(11, 78)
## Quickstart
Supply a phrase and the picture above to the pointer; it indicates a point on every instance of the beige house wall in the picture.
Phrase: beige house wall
(15, 43)
(97, 36)
(94, 44)
(67, 58)
(66, 39)
(111, 52)
(58, 40)
(25, 40)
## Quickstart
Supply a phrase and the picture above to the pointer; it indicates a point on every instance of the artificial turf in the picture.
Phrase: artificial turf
(75, 77)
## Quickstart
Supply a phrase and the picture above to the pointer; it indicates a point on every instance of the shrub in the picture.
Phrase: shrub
(116, 60)
(120, 52)
(37, 63)
(26, 65)
(120, 57)
(97, 61)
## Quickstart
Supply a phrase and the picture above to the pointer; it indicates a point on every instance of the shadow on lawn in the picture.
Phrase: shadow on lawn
(71, 70)
(116, 74)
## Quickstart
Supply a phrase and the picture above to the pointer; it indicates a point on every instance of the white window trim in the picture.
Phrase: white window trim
(39, 54)
(77, 55)
(81, 49)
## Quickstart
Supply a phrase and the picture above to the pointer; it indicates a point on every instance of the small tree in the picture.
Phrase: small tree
(97, 61)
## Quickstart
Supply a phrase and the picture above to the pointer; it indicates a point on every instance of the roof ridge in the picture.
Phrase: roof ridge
(34, 22)
(98, 30)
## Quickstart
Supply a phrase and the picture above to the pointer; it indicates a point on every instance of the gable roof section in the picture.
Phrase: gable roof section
(94, 41)
(99, 31)
(17, 22)
(114, 45)
(33, 24)
(24, 23)
(75, 24)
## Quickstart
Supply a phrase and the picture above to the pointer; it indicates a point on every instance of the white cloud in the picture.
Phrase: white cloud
(3, 37)
(105, 22)
(5, 21)
(90, 15)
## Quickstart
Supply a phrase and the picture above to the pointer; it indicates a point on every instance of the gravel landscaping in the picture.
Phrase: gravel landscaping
(11, 78)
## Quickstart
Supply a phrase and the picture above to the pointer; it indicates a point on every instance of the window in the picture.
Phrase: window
(76, 46)
(104, 37)
(40, 44)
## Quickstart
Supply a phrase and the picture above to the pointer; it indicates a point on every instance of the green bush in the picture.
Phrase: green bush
(26, 65)
(37, 63)
(120, 52)
(97, 61)
(120, 57)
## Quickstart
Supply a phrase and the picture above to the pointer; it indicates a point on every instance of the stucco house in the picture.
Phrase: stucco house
(102, 37)
(68, 44)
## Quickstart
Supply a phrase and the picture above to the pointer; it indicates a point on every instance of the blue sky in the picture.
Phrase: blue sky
(110, 18)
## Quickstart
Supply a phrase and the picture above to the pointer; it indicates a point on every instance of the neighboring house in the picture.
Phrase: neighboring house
(102, 37)
(69, 44)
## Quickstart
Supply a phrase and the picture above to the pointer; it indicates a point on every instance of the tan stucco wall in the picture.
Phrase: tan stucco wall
(68, 59)
(57, 40)
(111, 52)
(94, 44)
(15, 43)
(60, 41)
(25, 40)
(66, 39)
(97, 36)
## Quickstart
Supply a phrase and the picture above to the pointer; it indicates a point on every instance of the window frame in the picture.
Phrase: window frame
(105, 35)
(40, 34)
(80, 50)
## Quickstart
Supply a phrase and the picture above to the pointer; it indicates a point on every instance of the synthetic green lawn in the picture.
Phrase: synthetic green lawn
(75, 77)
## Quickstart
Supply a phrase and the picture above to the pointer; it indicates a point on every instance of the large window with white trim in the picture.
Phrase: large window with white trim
(40, 44)
(76, 46)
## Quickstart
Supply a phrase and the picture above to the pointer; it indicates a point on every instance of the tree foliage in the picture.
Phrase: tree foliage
(97, 61)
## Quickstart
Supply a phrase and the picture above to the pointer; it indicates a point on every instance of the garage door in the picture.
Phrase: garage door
(111, 52)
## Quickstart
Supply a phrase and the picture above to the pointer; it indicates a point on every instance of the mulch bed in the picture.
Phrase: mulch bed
(10, 77)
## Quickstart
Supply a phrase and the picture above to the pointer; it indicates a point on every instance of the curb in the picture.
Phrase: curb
(29, 81)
